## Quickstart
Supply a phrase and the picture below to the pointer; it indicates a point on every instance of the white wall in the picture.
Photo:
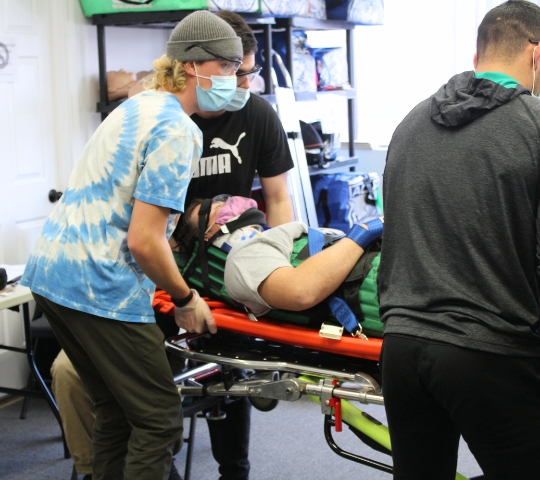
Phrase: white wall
(133, 49)
(420, 46)
(47, 114)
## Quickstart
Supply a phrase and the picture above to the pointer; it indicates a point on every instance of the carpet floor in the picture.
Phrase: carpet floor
(286, 443)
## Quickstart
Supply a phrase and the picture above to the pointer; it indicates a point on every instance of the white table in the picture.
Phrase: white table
(20, 296)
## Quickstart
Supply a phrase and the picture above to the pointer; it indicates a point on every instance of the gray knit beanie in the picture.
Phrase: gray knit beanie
(205, 29)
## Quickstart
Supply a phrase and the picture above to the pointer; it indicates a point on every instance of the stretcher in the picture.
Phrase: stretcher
(288, 362)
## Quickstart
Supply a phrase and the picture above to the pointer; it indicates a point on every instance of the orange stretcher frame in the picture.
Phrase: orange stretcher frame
(234, 320)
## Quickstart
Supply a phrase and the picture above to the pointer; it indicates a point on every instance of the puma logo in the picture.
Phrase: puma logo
(219, 143)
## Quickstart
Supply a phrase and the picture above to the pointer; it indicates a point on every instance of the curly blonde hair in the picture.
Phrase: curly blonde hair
(169, 74)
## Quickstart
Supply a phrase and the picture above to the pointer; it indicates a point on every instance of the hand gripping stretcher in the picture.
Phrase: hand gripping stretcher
(289, 362)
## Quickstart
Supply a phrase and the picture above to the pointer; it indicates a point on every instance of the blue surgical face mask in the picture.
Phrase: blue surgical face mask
(239, 100)
(219, 95)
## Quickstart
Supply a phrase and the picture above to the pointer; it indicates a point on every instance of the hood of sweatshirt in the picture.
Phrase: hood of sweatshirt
(465, 98)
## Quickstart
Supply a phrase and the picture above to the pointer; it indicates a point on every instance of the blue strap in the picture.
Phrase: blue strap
(315, 241)
(337, 306)
(343, 313)
(364, 237)
(376, 226)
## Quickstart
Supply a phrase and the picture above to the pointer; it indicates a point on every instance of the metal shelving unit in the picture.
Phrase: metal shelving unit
(302, 23)
(169, 19)
(162, 20)
(335, 166)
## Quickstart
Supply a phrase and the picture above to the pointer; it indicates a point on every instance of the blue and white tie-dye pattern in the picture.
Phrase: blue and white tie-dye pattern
(146, 149)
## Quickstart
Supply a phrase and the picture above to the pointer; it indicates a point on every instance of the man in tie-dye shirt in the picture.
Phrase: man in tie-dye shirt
(104, 248)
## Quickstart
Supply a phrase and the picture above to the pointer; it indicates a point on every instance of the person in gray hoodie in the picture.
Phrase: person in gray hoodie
(459, 271)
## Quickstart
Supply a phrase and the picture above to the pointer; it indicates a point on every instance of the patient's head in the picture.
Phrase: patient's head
(222, 209)
(210, 226)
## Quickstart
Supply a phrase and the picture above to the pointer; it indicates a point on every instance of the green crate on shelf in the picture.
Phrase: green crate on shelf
(95, 7)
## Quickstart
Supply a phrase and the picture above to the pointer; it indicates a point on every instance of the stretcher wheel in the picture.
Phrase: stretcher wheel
(263, 404)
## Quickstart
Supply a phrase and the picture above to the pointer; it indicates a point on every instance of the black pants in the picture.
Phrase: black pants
(436, 392)
(230, 440)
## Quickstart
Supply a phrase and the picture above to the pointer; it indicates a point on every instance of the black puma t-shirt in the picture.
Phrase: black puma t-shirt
(235, 146)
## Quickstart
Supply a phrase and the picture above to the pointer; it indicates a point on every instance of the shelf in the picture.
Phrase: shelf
(169, 19)
(164, 19)
(335, 166)
(306, 23)
(350, 94)
(307, 96)
(300, 97)
(305, 208)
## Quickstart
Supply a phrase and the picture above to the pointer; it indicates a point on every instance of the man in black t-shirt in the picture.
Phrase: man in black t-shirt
(238, 143)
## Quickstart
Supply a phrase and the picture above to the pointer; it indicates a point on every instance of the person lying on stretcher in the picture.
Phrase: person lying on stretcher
(258, 270)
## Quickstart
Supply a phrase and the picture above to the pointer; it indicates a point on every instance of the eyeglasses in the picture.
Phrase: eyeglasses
(251, 74)
(229, 67)
(536, 41)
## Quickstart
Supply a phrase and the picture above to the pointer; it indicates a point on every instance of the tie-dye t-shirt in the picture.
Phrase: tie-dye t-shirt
(146, 149)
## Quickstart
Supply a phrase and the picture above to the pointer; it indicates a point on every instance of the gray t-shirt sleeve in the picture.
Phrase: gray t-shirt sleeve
(250, 263)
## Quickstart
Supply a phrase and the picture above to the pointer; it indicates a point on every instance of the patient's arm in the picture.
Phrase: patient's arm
(259, 274)
(312, 281)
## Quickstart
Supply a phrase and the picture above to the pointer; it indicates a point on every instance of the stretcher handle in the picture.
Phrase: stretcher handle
(350, 456)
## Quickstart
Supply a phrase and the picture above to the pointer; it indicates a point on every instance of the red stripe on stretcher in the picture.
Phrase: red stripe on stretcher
(237, 321)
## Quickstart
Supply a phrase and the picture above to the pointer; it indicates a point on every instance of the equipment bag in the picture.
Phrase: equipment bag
(279, 8)
(361, 12)
(344, 199)
(304, 69)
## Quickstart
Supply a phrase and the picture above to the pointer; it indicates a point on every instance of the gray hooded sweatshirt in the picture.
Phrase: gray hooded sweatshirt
(460, 250)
